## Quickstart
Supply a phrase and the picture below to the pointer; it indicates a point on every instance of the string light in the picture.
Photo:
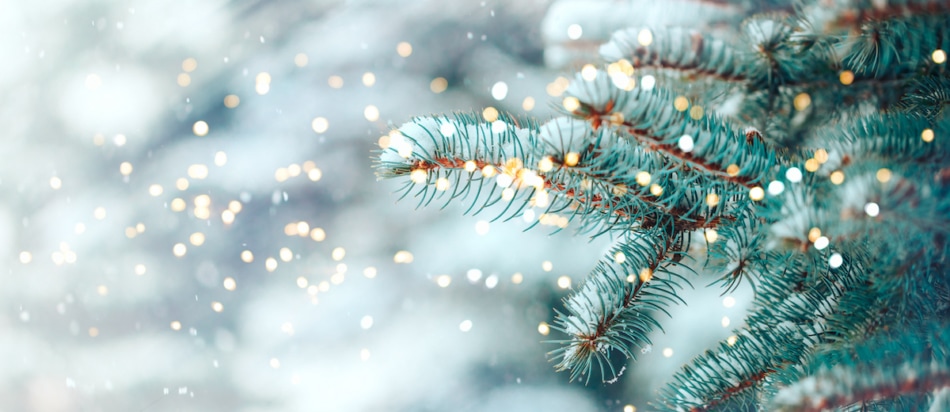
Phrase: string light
(756, 193)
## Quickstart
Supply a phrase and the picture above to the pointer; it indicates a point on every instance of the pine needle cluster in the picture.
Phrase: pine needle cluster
(805, 153)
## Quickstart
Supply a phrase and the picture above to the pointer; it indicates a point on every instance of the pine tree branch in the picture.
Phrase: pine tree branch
(851, 13)
(676, 49)
(613, 310)
(886, 366)
(884, 49)
(649, 117)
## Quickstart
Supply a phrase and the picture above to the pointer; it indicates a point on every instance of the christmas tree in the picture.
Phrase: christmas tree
(801, 152)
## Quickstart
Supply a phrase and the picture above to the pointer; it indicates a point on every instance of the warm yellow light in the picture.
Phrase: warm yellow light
(200, 128)
(441, 184)
(189, 64)
(418, 176)
(178, 204)
(517, 278)
(202, 201)
(645, 275)
(217, 306)
(220, 158)
(927, 135)
(490, 114)
(712, 199)
(837, 177)
(338, 253)
(197, 238)
(125, 168)
(403, 256)
(404, 49)
(270, 264)
(821, 155)
(179, 249)
(318, 234)
(656, 189)
(711, 235)
(812, 165)
(320, 124)
(335, 82)
(564, 282)
(286, 254)
(371, 113)
(643, 178)
(629, 408)
(802, 101)
(314, 174)
(732, 170)
(528, 104)
(198, 171)
(883, 175)
(571, 159)
(229, 284)
(846, 77)
(231, 101)
(619, 258)
(247, 256)
(470, 166)
(589, 72)
(756, 193)
(544, 329)
(438, 85)
(571, 103)
(183, 79)
(696, 112)
(443, 281)
(939, 56)
(619, 189)
(681, 103)
(369, 79)
(488, 171)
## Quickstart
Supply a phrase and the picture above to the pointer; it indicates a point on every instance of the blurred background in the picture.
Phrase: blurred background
(190, 219)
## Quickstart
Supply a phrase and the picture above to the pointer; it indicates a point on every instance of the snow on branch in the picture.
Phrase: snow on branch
(614, 309)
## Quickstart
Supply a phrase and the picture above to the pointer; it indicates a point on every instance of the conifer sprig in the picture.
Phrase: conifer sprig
(613, 310)
(888, 365)
(835, 213)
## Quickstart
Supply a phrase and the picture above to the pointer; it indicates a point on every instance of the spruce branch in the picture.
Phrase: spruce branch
(885, 366)
(613, 310)
(678, 49)
(883, 49)
(847, 248)
(851, 13)
(706, 144)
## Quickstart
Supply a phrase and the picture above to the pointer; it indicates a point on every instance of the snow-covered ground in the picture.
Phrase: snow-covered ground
(190, 220)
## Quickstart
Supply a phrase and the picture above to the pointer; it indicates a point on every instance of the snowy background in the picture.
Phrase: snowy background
(190, 220)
